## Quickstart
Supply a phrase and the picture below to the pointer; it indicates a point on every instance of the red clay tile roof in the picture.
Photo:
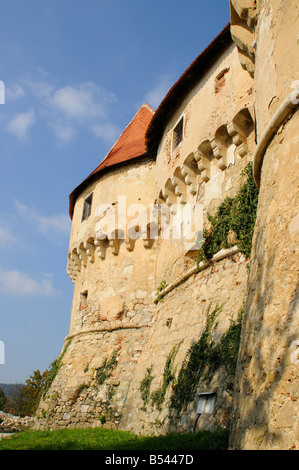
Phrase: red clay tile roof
(184, 84)
(130, 145)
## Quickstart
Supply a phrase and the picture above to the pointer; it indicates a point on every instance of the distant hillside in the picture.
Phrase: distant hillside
(9, 389)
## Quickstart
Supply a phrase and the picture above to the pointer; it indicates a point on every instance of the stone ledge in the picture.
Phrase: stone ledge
(225, 253)
(115, 325)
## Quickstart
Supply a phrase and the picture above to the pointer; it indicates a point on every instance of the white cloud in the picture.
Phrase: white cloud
(6, 237)
(154, 96)
(63, 132)
(82, 106)
(85, 100)
(17, 283)
(20, 123)
(66, 110)
(52, 227)
(14, 92)
(107, 132)
(39, 88)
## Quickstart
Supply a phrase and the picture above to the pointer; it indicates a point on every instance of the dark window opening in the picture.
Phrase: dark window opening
(83, 300)
(220, 80)
(178, 133)
(87, 207)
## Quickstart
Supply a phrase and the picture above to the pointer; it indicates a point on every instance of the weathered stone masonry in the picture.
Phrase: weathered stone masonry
(140, 304)
(117, 322)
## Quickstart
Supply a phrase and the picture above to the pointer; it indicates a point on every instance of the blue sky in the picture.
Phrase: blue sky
(75, 73)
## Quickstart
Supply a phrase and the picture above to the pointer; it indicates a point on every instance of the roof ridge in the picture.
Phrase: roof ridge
(122, 133)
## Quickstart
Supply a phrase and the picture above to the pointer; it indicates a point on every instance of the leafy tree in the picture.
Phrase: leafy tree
(3, 400)
(32, 392)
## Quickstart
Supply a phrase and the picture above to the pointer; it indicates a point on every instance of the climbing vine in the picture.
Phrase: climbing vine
(197, 357)
(234, 221)
(145, 386)
(158, 396)
(225, 352)
(160, 288)
(106, 369)
(204, 357)
(54, 368)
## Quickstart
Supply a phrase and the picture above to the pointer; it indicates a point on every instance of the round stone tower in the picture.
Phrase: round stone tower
(114, 278)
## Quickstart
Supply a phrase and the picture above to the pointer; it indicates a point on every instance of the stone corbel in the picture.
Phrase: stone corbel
(243, 21)
(235, 134)
(169, 196)
(182, 199)
(190, 178)
(147, 242)
(219, 151)
(100, 248)
(82, 256)
(238, 137)
(178, 185)
(75, 260)
(71, 270)
(129, 244)
(89, 249)
(242, 149)
(246, 10)
(114, 245)
(132, 234)
(244, 40)
(180, 189)
(203, 165)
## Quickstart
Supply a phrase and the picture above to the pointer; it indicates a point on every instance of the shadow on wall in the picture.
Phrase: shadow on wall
(260, 367)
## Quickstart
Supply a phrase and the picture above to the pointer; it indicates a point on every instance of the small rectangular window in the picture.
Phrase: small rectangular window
(83, 300)
(87, 207)
(220, 80)
(178, 132)
(205, 402)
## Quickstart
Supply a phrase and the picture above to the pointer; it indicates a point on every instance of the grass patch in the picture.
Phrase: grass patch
(106, 439)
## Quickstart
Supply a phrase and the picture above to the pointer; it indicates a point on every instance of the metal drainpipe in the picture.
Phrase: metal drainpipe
(287, 107)
(197, 418)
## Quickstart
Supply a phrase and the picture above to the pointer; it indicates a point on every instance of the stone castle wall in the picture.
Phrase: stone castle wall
(119, 329)
(132, 344)
(121, 361)
(266, 395)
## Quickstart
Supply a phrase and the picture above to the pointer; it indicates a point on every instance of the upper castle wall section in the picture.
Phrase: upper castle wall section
(105, 210)
(133, 182)
(218, 108)
(217, 121)
(207, 139)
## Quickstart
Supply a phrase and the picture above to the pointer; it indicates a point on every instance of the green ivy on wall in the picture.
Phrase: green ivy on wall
(106, 369)
(54, 368)
(234, 221)
(202, 359)
(158, 396)
(145, 386)
(198, 357)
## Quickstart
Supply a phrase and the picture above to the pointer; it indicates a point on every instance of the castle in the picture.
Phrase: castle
(145, 307)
